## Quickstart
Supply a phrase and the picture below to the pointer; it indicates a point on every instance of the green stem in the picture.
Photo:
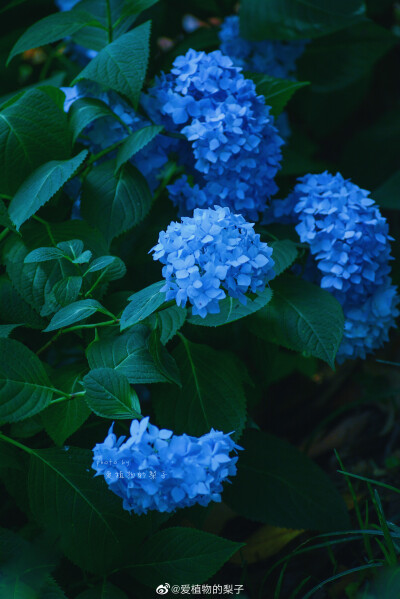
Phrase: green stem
(4, 234)
(47, 226)
(91, 326)
(67, 397)
(19, 445)
(109, 22)
(50, 342)
(97, 281)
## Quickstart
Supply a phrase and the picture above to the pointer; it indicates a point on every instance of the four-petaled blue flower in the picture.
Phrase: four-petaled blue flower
(350, 243)
(234, 148)
(156, 470)
(213, 254)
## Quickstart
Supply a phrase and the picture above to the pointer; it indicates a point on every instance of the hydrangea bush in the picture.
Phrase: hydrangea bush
(168, 255)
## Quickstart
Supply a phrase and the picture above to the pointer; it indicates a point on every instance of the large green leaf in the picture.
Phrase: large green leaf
(302, 317)
(232, 309)
(114, 203)
(335, 61)
(277, 92)
(109, 395)
(73, 313)
(122, 64)
(127, 354)
(136, 142)
(25, 388)
(142, 304)
(211, 396)
(94, 531)
(40, 187)
(284, 254)
(64, 419)
(182, 556)
(277, 484)
(51, 29)
(162, 359)
(33, 130)
(297, 19)
(13, 308)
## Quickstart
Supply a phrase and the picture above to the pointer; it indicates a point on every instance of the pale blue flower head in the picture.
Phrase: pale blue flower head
(211, 255)
(235, 145)
(153, 469)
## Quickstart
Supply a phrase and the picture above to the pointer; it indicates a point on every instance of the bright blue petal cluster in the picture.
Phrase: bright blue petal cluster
(103, 132)
(350, 242)
(156, 470)
(213, 254)
(235, 144)
(271, 57)
(76, 52)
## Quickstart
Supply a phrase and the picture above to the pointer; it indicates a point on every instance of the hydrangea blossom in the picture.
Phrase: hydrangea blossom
(213, 254)
(235, 144)
(156, 470)
(350, 243)
(271, 57)
(103, 132)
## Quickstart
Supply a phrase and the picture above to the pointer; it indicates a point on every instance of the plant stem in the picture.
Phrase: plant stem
(75, 328)
(13, 442)
(109, 22)
(4, 234)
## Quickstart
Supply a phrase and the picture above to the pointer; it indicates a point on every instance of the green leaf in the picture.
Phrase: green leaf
(109, 394)
(63, 419)
(122, 64)
(302, 317)
(94, 531)
(278, 485)
(127, 354)
(387, 194)
(164, 362)
(73, 313)
(136, 6)
(51, 29)
(277, 92)
(114, 203)
(297, 19)
(67, 290)
(338, 60)
(43, 255)
(33, 130)
(13, 308)
(181, 555)
(4, 218)
(211, 396)
(105, 591)
(84, 111)
(136, 142)
(34, 282)
(7, 329)
(232, 309)
(284, 254)
(40, 187)
(169, 321)
(142, 304)
(25, 388)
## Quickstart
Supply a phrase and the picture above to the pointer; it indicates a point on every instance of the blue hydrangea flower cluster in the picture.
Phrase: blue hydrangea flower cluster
(350, 243)
(235, 149)
(156, 470)
(105, 131)
(271, 57)
(213, 254)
